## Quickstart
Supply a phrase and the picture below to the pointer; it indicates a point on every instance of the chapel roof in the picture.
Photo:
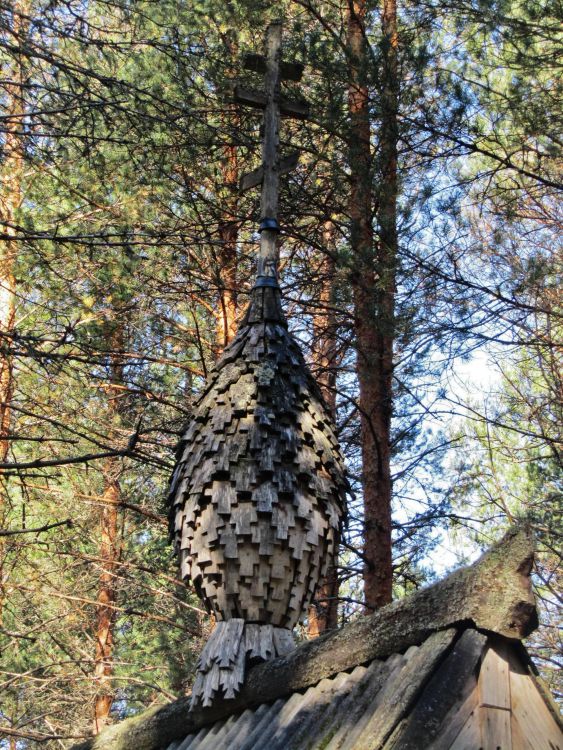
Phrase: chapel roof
(460, 688)
(437, 669)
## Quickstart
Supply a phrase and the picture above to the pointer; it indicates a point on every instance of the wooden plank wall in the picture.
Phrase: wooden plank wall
(505, 710)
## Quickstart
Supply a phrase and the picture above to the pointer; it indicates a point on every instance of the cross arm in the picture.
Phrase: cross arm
(289, 71)
(258, 99)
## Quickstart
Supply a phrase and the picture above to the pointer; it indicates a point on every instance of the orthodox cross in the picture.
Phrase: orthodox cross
(274, 105)
(256, 517)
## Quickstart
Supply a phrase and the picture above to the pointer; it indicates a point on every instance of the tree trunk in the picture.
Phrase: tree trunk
(227, 256)
(228, 225)
(109, 549)
(323, 613)
(386, 266)
(325, 346)
(107, 595)
(11, 198)
(373, 294)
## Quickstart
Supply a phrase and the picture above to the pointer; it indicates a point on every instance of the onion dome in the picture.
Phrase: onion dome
(257, 496)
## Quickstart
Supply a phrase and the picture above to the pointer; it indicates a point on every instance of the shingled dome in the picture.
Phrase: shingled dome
(258, 492)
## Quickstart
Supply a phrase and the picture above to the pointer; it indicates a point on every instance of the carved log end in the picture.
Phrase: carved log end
(503, 600)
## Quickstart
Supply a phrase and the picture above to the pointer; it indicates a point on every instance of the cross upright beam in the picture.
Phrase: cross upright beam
(268, 174)
(269, 228)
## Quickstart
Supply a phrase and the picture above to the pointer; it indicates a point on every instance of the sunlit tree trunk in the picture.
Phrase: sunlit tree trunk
(228, 224)
(107, 594)
(227, 255)
(11, 196)
(323, 613)
(325, 344)
(109, 545)
(373, 283)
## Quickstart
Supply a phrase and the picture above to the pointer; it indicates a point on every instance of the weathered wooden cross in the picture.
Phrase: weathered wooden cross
(274, 105)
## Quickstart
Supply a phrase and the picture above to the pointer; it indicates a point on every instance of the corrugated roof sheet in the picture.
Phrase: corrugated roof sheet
(335, 714)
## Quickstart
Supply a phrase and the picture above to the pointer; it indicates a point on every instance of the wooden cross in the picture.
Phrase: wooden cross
(274, 105)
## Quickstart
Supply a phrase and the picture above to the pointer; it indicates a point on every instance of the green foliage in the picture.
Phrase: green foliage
(119, 267)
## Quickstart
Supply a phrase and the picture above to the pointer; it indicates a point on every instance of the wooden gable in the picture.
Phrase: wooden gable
(505, 707)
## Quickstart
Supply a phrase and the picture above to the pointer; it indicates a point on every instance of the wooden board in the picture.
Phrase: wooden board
(456, 720)
(470, 736)
(530, 712)
(495, 727)
(494, 683)
(520, 739)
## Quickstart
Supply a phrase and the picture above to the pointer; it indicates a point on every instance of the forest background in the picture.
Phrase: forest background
(420, 272)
